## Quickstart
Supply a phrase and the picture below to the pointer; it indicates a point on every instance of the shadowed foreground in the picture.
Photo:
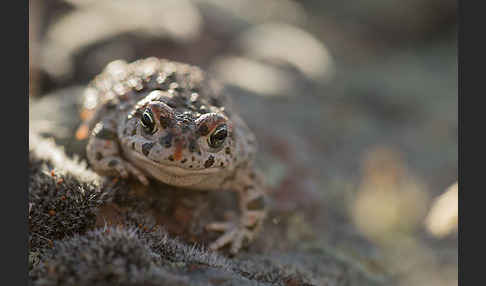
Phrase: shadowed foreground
(83, 232)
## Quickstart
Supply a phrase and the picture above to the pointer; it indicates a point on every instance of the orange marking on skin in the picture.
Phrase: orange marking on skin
(178, 151)
(86, 114)
(82, 132)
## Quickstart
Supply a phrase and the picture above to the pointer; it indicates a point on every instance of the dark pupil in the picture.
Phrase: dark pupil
(217, 138)
(147, 122)
(220, 134)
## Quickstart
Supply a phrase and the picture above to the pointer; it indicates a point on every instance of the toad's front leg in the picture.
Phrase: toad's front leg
(103, 153)
(252, 207)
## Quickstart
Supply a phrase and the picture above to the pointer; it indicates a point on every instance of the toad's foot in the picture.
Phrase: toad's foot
(236, 233)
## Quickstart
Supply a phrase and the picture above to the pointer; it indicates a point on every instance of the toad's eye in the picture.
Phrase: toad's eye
(218, 136)
(147, 121)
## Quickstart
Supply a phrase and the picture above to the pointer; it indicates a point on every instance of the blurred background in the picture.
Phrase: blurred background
(354, 104)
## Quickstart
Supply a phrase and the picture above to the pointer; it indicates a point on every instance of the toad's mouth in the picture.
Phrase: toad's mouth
(152, 166)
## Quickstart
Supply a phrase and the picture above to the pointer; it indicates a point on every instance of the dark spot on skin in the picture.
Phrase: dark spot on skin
(112, 163)
(228, 150)
(184, 160)
(203, 130)
(256, 204)
(170, 77)
(221, 164)
(171, 158)
(166, 140)
(146, 148)
(190, 166)
(171, 104)
(98, 156)
(105, 134)
(110, 105)
(164, 85)
(165, 122)
(209, 162)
